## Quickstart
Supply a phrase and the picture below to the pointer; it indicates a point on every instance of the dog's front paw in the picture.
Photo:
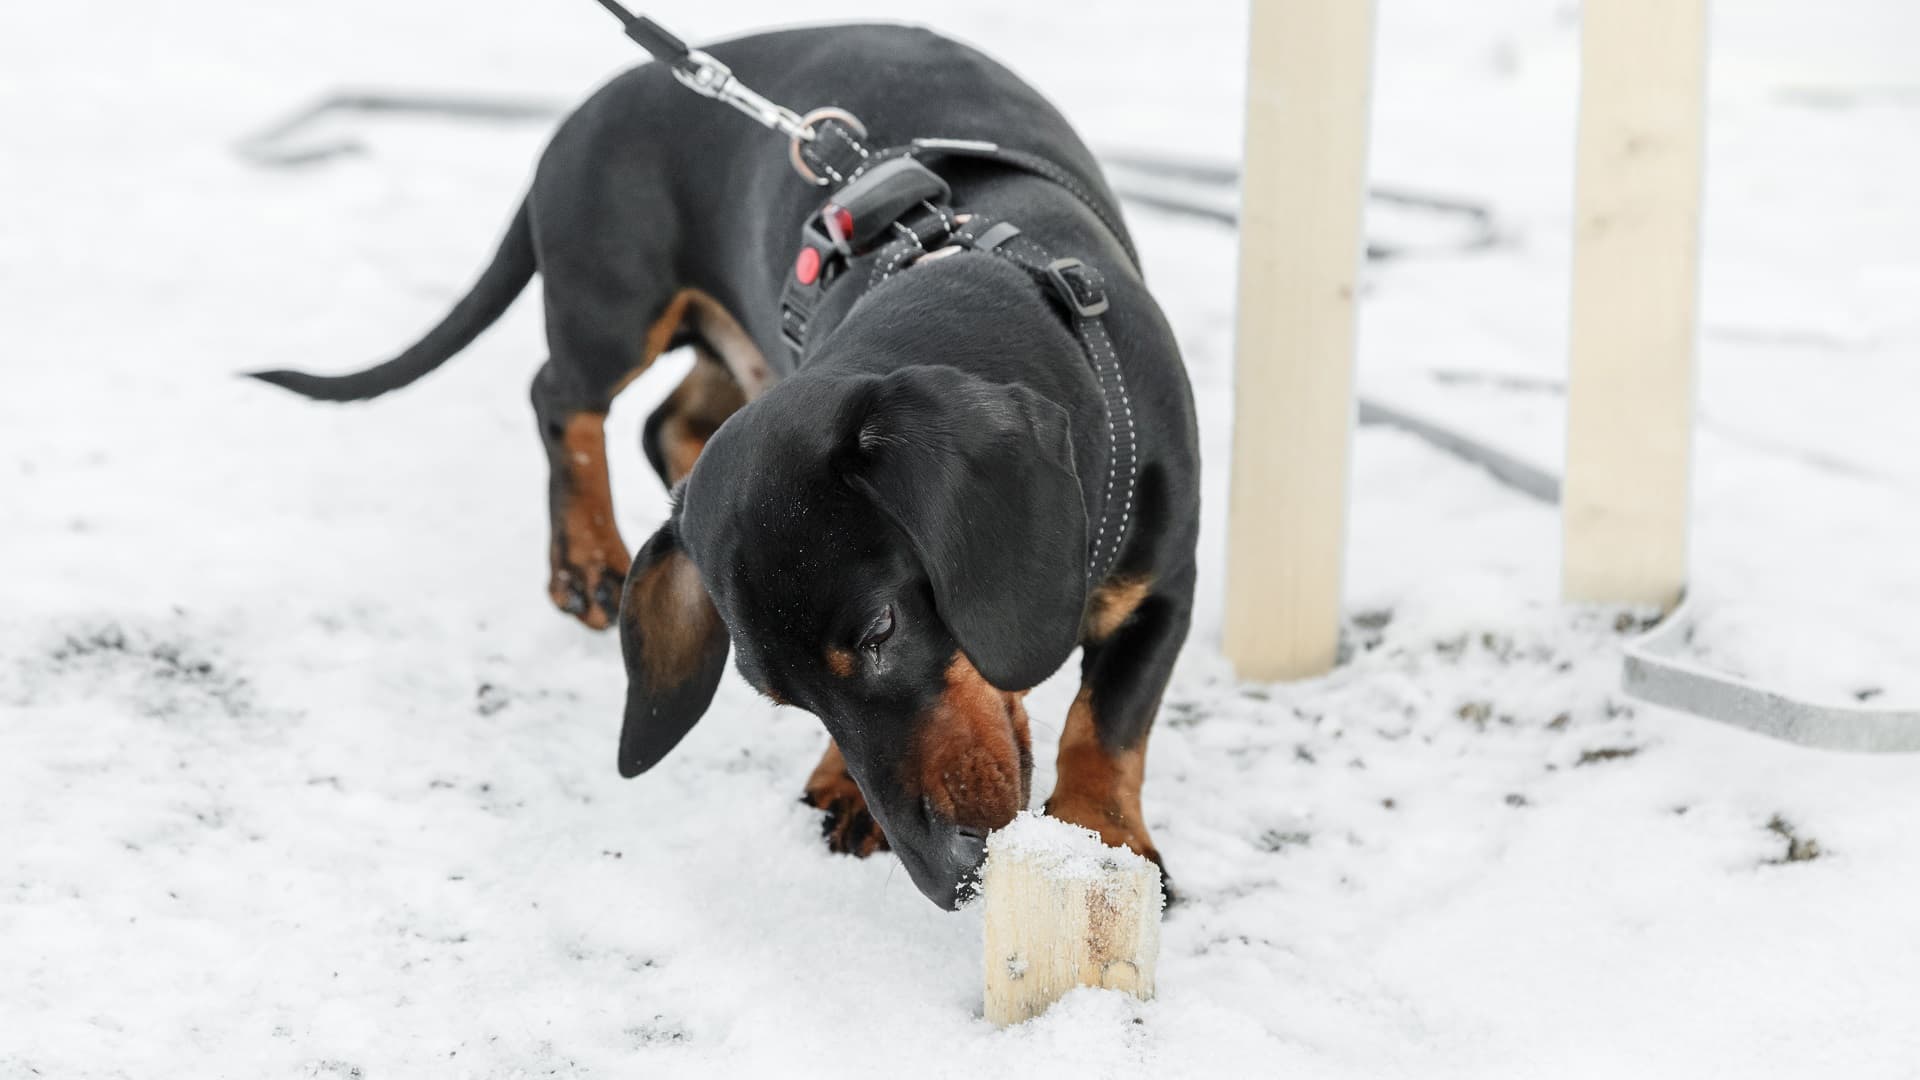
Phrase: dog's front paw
(1118, 827)
(589, 589)
(848, 825)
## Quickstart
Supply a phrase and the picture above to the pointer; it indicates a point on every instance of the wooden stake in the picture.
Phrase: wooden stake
(1635, 276)
(1302, 189)
(1063, 911)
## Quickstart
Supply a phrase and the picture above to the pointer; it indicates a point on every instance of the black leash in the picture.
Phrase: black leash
(649, 35)
(888, 207)
(828, 147)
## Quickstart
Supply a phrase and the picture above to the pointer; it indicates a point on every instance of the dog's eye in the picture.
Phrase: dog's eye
(879, 630)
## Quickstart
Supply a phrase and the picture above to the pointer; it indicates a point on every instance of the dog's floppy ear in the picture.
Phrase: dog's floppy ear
(980, 478)
(675, 647)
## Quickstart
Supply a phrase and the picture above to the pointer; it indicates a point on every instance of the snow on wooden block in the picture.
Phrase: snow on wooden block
(1064, 910)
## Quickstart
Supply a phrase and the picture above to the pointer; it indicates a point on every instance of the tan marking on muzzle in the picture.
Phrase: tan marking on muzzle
(974, 756)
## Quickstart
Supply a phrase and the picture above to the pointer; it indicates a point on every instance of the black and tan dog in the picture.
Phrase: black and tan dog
(893, 531)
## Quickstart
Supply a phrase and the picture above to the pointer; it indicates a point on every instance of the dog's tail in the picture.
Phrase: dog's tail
(503, 279)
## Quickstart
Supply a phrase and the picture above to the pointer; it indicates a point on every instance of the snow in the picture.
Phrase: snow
(301, 776)
(1062, 852)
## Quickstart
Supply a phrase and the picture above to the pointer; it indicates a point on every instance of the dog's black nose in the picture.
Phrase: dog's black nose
(968, 849)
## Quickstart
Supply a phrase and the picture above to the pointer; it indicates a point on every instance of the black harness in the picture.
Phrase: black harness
(889, 208)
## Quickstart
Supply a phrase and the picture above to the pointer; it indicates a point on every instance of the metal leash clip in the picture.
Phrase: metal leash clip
(708, 77)
(702, 74)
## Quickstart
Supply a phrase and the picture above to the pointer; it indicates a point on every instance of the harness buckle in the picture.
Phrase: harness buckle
(805, 285)
(1086, 298)
(872, 206)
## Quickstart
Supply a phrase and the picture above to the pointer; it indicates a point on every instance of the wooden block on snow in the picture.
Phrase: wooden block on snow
(1064, 910)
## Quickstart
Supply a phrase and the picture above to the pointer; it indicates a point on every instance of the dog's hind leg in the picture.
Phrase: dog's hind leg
(592, 360)
(679, 429)
(1133, 632)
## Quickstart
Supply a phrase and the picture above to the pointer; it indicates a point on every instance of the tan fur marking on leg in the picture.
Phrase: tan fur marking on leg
(1112, 604)
(657, 337)
(586, 553)
(1098, 790)
(590, 541)
(736, 348)
(717, 326)
(695, 410)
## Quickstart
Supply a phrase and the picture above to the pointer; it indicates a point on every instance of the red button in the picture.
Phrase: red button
(806, 267)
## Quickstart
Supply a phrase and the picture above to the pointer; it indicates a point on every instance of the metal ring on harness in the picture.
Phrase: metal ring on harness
(806, 123)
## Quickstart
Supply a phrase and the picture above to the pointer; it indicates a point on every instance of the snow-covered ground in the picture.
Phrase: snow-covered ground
(300, 775)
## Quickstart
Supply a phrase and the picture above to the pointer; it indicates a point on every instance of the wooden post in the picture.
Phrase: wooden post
(1302, 191)
(1064, 911)
(1635, 276)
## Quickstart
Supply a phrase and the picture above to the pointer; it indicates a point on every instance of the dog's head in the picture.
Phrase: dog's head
(903, 556)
